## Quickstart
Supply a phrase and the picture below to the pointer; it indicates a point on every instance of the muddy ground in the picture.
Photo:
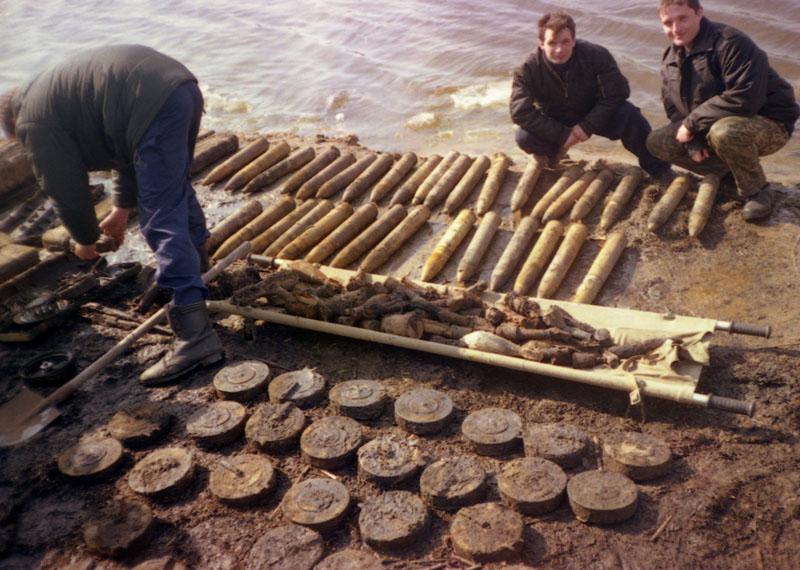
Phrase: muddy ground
(730, 494)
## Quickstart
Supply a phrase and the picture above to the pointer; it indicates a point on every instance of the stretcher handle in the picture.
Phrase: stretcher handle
(743, 328)
(731, 405)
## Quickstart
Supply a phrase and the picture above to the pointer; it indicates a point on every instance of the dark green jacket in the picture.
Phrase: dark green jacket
(88, 114)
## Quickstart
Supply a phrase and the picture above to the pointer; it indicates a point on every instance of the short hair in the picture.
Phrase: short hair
(7, 113)
(693, 4)
(556, 21)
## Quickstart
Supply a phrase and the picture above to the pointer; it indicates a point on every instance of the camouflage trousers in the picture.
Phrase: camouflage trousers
(736, 143)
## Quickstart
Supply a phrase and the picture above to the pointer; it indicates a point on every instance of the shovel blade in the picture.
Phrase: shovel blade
(17, 424)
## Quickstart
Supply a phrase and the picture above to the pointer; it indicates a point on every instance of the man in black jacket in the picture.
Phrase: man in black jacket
(726, 105)
(568, 90)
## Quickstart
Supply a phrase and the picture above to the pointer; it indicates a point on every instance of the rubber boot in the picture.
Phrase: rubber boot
(197, 345)
(759, 206)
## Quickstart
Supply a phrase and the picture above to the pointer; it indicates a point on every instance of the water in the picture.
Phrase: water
(421, 75)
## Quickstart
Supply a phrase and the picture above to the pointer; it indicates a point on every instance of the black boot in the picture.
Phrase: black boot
(759, 205)
(197, 345)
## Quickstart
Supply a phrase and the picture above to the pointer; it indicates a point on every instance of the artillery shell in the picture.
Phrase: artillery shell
(310, 170)
(492, 431)
(668, 202)
(162, 472)
(312, 217)
(358, 399)
(310, 187)
(566, 179)
(563, 444)
(242, 381)
(701, 211)
(291, 546)
(370, 236)
(219, 424)
(275, 427)
(592, 195)
(526, 184)
(237, 161)
(242, 480)
(562, 260)
(91, 460)
(564, 202)
(448, 244)
(453, 483)
(364, 215)
(423, 411)
(284, 167)
(601, 268)
(637, 455)
(281, 226)
(140, 425)
(319, 503)
(388, 460)
(396, 238)
(349, 558)
(118, 528)
(477, 247)
(465, 186)
(393, 177)
(448, 181)
(488, 342)
(620, 197)
(314, 234)
(303, 388)
(345, 177)
(367, 178)
(488, 532)
(331, 442)
(514, 252)
(602, 497)
(494, 179)
(256, 226)
(430, 181)
(211, 150)
(538, 257)
(393, 520)
(409, 187)
(259, 165)
(232, 223)
(532, 485)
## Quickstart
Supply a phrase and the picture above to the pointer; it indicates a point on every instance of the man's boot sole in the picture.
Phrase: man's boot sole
(208, 360)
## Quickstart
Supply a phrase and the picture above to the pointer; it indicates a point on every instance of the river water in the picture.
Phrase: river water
(421, 75)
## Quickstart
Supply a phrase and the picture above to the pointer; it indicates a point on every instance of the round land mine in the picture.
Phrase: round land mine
(492, 431)
(351, 560)
(304, 388)
(331, 442)
(602, 497)
(561, 443)
(118, 527)
(48, 369)
(532, 485)
(453, 483)
(359, 399)
(318, 503)
(162, 471)
(140, 425)
(241, 381)
(388, 460)
(219, 424)
(91, 459)
(275, 427)
(637, 455)
(423, 411)
(393, 520)
(488, 532)
(290, 547)
(242, 480)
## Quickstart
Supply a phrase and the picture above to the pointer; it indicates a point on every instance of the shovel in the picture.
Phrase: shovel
(27, 413)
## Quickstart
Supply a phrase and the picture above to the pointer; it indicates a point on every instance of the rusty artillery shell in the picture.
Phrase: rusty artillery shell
(447, 182)
(477, 247)
(265, 238)
(668, 202)
(237, 161)
(569, 197)
(489, 532)
(448, 244)
(701, 211)
(514, 252)
(233, 222)
(393, 177)
(313, 216)
(601, 268)
(433, 178)
(409, 187)
(212, 149)
(370, 236)
(526, 184)
(310, 187)
(284, 167)
(479, 166)
(345, 177)
(310, 170)
(538, 257)
(566, 179)
(256, 226)
(374, 171)
(602, 497)
(621, 196)
(396, 238)
(219, 424)
(494, 179)
(639, 456)
(335, 240)
(574, 237)
(258, 165)
(318, 503)
(592, 195)
(316, 232)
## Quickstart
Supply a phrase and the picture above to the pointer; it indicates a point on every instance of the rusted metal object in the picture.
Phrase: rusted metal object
(118, 528)
(393, 520)
(320, 503)
(358, 399)
(242, 381)
(275, 427)
(389, 460)
(488, 532)
(140, 425)
(212, 149)
(639, 456)
(331, 442)
(48, 369)
(563, 444)
(423, 411)
(602, 497)
(219, 424)
(162, 472)
(289, 547)
(532, 485)
(303, 388)
(91, 460)
(453, 482)
(492, 431)
(242, 480)
(349, 559)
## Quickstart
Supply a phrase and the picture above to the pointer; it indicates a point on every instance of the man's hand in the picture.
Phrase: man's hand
(85, 251)
(577, 135)
(699, 155)
(115, 223)
(683, 135)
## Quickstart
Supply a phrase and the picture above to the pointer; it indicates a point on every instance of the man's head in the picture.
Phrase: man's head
(6, 113)
(557, 36)
(681, 20)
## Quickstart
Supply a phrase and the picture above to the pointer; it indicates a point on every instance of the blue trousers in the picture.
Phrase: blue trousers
(170, 216)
